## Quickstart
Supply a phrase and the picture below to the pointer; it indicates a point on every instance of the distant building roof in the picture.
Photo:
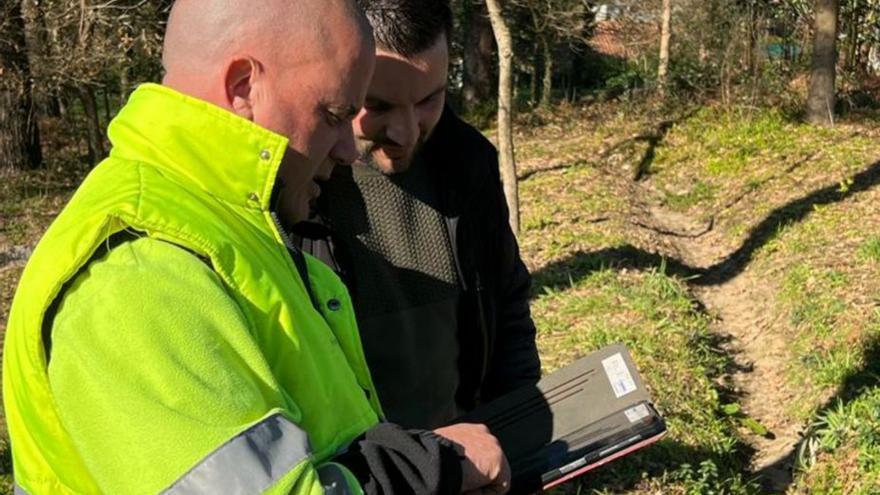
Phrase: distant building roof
(624, 36)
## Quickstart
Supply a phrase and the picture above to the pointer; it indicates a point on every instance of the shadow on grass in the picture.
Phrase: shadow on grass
(668, 460)
(852, 386)
(580, 264)
(652, 137)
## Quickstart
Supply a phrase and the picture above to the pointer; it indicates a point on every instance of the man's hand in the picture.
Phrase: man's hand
(484, 467)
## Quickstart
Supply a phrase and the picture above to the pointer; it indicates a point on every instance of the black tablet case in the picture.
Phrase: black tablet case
(538, 426)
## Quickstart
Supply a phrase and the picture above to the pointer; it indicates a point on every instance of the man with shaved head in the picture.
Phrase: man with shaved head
(166, 335)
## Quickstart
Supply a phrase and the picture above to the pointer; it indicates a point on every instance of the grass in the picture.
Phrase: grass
(841, 454)
(701, 192)
(870, 249)
(827, 295)
(584, 300)
(829, 301)
(736, 163)
(820, 262)
(670, 338)
(821, 265)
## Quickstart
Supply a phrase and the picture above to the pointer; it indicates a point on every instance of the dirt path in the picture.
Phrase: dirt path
(741, 307)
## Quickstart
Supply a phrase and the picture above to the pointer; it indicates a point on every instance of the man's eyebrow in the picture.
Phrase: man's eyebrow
(375, 100)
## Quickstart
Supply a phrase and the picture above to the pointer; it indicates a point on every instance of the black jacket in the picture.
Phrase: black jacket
(496, 331)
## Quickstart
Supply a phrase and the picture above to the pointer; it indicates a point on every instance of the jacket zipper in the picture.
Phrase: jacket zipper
(485, 331)
(452, 230)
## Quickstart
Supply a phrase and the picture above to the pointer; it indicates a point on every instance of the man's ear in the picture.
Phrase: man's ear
(240, 78)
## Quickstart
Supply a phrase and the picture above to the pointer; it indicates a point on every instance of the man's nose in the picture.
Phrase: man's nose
(345, 151)
(404, 130)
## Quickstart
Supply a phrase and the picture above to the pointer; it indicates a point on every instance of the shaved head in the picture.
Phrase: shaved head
(299, 68)
(204, 35)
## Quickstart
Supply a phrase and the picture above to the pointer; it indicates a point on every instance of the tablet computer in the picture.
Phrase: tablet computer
(576, 419)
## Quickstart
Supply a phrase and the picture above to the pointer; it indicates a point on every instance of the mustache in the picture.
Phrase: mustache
(382, 140)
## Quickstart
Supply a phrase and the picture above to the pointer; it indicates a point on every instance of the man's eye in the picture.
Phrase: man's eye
(377, 107)
(334, 120)
(434, 98)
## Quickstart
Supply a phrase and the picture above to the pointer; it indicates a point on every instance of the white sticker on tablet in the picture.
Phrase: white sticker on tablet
(637, 413)
(618, 374)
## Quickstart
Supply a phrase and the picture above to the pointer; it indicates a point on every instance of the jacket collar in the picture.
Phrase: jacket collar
(194, 141)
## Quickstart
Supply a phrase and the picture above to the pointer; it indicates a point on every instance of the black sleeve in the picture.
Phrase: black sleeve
(515, 361)
(390, 460)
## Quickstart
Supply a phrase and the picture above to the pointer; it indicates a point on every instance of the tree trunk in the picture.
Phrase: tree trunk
(533, 82)
(93, 125)
(665, 36)
(477, 81)
(822, 98)
(505, 110)
(750, 48)
(873, 60)
(107, 112)
(123, 85)
(37, 33)
(19, 133)
(853, 38)
(575, 70)
(547, 83)
(753, 48)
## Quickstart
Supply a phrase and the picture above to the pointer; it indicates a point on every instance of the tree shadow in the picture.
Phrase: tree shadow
(652, 136)
(667, 459)
(789, 214)
(852, 386)
(581, 264)
(654, 140)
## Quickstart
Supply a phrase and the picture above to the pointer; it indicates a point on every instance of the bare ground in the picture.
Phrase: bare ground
(740, 306)
(740, 303)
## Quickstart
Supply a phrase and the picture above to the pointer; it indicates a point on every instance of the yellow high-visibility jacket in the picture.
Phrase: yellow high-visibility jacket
(187, 357)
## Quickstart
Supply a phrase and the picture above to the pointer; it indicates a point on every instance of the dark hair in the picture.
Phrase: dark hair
(408, 27)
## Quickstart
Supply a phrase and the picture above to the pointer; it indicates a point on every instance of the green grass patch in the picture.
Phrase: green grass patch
(841, 451)
(822, 346)
(870, 250)
(826, 270)
(700, 193)
(727, 142)
(821, 261)
(680, 360)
